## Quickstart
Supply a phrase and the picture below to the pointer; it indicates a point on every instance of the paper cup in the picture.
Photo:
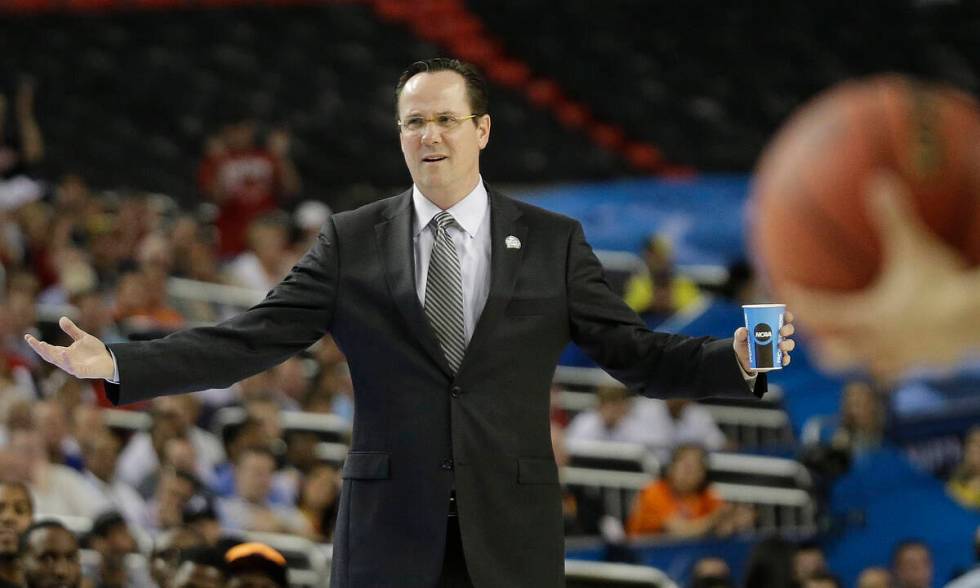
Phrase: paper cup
(764, 322)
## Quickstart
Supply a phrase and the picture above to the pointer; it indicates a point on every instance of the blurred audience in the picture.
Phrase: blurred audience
(682, 503)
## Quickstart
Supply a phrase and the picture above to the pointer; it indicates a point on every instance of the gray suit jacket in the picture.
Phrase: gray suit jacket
(420, 430)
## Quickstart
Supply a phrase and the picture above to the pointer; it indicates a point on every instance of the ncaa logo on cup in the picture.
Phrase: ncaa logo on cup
(762, 334)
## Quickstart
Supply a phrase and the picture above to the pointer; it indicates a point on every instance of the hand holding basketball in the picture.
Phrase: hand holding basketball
(908, 315)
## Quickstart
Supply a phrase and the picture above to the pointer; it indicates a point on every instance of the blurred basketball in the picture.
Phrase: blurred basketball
(808, 221)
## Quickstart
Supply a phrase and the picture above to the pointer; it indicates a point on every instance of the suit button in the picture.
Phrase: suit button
(447, 465)
(455, 391)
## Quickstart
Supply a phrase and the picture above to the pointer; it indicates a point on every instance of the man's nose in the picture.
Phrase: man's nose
(431, 133)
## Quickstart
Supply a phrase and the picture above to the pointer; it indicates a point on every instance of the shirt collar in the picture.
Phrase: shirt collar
(468, 212)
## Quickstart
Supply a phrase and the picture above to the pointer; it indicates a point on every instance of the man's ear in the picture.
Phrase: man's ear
(483, 130)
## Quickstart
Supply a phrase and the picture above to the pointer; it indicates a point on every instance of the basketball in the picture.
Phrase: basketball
(807, 217)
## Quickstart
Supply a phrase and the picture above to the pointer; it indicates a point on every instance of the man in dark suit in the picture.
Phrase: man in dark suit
(452, 303)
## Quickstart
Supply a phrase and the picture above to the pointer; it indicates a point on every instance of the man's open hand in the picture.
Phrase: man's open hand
(87, 357)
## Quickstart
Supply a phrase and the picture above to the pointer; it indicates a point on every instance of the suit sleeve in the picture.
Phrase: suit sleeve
(293, 315)
(654, 364)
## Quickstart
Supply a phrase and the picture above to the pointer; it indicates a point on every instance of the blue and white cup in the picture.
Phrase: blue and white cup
(764, 322)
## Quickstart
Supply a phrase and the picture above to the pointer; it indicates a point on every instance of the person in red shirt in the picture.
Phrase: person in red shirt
(682, 503)
(245, 179)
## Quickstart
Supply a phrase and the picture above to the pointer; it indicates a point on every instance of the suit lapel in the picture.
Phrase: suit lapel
(397, 250)
(504, 265)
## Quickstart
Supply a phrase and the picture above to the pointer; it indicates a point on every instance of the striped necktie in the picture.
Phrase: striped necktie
(444, 292)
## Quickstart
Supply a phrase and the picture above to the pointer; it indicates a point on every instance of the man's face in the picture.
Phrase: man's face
(444, 163)
(51, 559)
(254, 580)
(15, 517)
(913, 568)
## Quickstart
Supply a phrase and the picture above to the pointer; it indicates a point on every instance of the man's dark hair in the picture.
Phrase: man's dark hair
(476, 84)
(25, 537)
(905, 544)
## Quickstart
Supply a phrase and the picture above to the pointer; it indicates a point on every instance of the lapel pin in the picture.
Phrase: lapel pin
(512, 242)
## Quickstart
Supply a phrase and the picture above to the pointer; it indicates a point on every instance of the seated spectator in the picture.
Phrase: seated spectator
(912, 564)
(614, 419)
(176, 488)
(255, 565)
(319, 500)
(236, 437)
(964, 484)
(682, 503)
(266, 261)
(21, 144)
(809, 560)
(874, 577)
(659, 291)
(822, 580)
(139, 310)
(200, 567)
(711, 572)
(111, 538)
(56, 489)
(51, 419)
(168, 547)
(50, 556)
(862, 420)
(16, 514)
(251, 510)
(101, 453)
(201, 516)
(679, 421)
(172, 416)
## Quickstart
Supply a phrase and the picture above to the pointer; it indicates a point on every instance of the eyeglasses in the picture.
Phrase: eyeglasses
(414, 124)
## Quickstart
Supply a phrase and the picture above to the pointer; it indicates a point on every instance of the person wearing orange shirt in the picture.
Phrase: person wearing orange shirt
(682, 504)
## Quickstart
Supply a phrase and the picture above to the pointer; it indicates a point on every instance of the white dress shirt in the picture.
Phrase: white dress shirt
(472, 244)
